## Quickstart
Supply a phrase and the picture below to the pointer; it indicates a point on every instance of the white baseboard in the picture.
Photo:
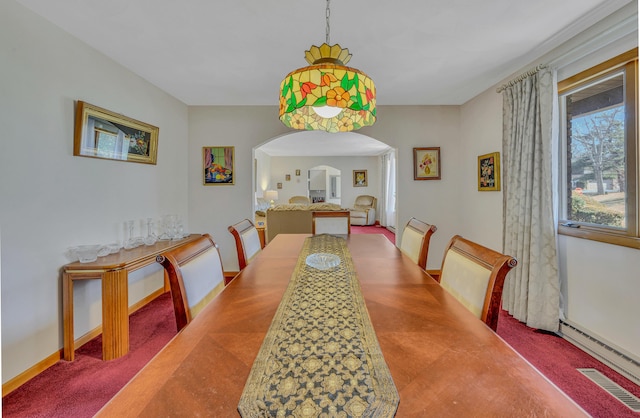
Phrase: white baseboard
(608, 353)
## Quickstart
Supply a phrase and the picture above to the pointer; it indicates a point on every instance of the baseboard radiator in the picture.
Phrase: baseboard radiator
(624, 363)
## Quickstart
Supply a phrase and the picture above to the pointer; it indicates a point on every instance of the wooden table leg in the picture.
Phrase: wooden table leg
(67, 317)
(115, 314)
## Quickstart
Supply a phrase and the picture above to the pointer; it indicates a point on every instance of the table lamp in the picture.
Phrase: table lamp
(271, 195)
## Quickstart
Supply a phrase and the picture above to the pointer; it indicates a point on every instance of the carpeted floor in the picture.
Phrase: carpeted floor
(558, 360)
(80, 388)
(374, 229)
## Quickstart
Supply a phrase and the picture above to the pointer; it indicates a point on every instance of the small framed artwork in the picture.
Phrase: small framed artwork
(489, 172)
(297, 172)
(426, 163)
(101, 133)
(359, 178)
(287, 177)
(218, 166)
(279, 185)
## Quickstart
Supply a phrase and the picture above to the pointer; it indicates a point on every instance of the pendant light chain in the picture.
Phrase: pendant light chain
(327, 95)
(328, 14)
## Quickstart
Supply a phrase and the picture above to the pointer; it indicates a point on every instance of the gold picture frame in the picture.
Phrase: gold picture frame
(218, 165)
(489, 172)
(426, 163)
(101, 133)
(359, 178)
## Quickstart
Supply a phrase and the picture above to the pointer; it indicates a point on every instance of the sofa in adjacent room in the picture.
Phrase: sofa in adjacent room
(293, 218)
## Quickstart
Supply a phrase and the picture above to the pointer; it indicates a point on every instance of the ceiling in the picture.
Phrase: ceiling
(319, 143)
(418, 52)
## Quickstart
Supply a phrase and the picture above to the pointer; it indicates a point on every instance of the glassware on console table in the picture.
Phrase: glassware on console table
(179, 230)
(151, 237)
(131, 241)
(169, 227)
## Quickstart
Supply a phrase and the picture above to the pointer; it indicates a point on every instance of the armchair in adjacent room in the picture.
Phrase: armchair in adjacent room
(364, 210)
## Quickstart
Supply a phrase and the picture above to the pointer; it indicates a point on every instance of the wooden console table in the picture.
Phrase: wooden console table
(113, 270)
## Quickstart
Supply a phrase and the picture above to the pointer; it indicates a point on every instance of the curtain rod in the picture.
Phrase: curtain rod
(521, 77)
(624, 26)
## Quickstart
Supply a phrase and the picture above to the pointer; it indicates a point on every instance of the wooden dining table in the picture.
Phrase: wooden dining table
(444, 361)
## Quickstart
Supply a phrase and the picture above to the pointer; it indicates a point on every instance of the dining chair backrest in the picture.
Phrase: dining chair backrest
(475, 275)
(248, 243)
(195, 274)
(331, 222)
(415, 241)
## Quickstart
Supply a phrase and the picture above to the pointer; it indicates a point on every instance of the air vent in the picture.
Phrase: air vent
(612, 388)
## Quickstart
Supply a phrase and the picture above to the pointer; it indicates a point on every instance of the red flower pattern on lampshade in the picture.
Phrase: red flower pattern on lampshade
(327, 82)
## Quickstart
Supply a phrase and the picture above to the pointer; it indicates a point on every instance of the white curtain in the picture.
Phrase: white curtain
(532, 290)
(388, 210)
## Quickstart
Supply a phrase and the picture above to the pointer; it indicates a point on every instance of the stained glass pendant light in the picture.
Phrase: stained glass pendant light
(327, 95)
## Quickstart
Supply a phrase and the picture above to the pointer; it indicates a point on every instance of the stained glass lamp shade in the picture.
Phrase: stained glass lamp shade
(327, 95)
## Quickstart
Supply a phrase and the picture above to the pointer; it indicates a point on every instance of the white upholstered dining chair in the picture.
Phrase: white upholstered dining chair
(415, 241)
(475, 275)
(331, 222)
(195, 276)
(247, 239)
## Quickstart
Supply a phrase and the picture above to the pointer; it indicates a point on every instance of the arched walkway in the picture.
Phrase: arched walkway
(282, 163)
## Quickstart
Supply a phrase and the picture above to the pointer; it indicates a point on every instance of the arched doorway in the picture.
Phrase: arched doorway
(283, 163)
(325, 184)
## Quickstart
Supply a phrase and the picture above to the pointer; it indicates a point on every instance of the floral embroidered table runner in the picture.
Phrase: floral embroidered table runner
(320, 357)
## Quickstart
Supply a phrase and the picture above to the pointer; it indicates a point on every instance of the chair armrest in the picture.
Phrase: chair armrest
(371, 215)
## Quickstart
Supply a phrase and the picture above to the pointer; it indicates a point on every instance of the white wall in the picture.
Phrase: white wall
(51, 200)
(438, 202)
(599, 282)
(263, 172)
(600, 287)
(481, 133)
(213, 208)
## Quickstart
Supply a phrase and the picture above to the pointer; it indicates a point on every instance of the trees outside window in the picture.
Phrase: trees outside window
(600, 169)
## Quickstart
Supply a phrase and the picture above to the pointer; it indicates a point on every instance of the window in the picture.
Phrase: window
(599, 153)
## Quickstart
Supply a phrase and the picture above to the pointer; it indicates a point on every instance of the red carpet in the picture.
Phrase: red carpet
(374, 229)
(80, 388)
(558, 360)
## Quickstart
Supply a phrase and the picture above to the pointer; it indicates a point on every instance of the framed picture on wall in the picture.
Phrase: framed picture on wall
(359, 178)
(100, 133)
(218, 166)
(426, 163)
(287, 177)
(489, 172)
